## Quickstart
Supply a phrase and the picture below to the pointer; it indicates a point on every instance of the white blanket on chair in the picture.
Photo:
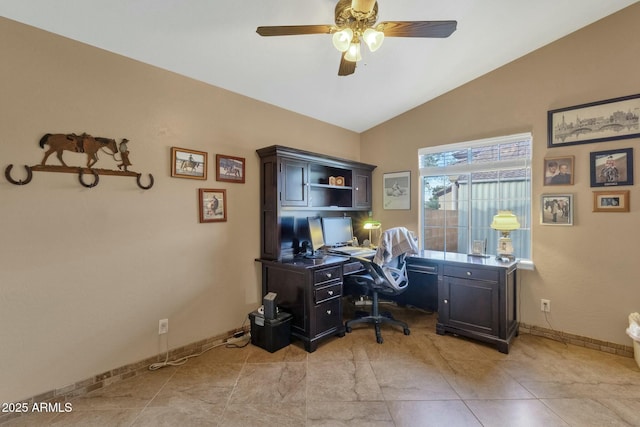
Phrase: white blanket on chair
(394, 242)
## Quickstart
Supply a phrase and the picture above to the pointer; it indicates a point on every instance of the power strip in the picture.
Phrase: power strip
(237, 337)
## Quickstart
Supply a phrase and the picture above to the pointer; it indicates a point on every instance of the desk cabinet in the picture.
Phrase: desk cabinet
(311, 290)
(422, 291)
(478, 301)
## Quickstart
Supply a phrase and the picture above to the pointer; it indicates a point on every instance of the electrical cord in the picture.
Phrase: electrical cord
(230, 342)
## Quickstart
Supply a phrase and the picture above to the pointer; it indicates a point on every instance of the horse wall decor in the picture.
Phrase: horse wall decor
(81, 143)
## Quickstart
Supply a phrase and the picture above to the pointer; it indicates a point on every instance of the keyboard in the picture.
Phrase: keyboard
(353, 251)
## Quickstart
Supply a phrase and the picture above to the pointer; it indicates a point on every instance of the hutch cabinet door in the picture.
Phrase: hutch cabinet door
(362, 189)
(295, 180)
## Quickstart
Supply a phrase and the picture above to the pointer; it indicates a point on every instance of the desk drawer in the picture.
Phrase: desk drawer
(328, 315)
(352, 267)
(327, 274)
(327, 292)
(471, 273)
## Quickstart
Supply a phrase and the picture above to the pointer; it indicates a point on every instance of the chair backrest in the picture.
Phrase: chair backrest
(396, 273)
(390, 278)
(395, 242)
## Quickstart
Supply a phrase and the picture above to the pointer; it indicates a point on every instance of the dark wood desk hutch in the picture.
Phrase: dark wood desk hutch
(297, 184)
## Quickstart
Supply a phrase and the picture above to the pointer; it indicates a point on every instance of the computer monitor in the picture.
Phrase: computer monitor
(338, 230)
(315, 233)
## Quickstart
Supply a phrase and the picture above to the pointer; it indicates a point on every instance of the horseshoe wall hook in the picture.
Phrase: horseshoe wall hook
(95, 180)
(7, 174)
(142, 186)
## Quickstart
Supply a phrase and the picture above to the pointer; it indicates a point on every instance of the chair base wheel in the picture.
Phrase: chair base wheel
(407, 332)
(348, 329)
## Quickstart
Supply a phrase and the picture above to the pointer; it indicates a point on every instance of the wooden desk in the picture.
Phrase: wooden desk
(311, 290)
(474, 297)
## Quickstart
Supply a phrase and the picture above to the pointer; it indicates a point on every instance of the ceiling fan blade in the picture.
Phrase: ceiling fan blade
(346, 67)
(294, 30)
(438, 29)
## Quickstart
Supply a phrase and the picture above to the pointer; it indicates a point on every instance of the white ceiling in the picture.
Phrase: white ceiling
(214, 41)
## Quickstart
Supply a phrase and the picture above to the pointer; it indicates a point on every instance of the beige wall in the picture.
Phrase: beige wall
(85, 274)
(588, 271)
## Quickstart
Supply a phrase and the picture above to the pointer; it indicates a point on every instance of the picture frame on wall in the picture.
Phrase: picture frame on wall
(187, 163)
(611, 201)
(558, 170)
(611, 167)
(556, 209)
(230, 168)
(212, 204)
(396, 187)
(608, 120)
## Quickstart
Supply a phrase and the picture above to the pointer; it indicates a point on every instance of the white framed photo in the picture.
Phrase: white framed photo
(396, 187)
(556, 209)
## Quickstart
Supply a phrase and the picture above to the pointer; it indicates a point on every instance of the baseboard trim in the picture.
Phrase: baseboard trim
(607, 347)
(80, 388)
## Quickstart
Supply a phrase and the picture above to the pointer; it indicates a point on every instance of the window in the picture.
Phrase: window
(462, 186)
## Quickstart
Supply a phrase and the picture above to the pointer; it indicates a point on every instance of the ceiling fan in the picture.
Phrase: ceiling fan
(356, 22)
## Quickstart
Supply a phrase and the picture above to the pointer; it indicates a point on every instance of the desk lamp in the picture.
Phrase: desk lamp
(371, 224)
(505, 222)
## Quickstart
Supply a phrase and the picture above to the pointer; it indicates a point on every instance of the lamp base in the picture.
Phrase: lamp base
(505, 257)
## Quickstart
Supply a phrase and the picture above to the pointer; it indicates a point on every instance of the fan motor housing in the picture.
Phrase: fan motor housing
(348, 18)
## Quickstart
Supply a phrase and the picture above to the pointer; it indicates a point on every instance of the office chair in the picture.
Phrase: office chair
(386, 280)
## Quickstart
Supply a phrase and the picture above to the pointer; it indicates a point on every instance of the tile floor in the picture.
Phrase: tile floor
(419, 380)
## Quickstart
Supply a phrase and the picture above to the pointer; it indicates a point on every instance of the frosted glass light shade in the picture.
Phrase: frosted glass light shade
(353, 53)
(342, 39)
(373, 39)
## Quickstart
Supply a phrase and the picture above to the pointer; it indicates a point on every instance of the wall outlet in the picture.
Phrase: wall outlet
(163, 326)
(545, 305)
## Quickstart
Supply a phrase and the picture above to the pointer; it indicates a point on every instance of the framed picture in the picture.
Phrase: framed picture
(612, 167)
(608, 120)
(213, 205)
(229, 168)
(556, 209)
(479, 248)
(558, 170)
(611, 201)
(396, 190)
(188, 163)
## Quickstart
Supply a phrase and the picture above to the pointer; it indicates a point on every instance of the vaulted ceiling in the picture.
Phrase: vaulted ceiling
(216, 42)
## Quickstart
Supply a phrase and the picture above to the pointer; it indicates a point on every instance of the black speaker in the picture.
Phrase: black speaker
(269, 303)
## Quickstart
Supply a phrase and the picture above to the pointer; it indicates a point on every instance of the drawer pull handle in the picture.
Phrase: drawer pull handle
(329, 275)
(446, 301)
(328, 311)
(468, 273)
(330, 293)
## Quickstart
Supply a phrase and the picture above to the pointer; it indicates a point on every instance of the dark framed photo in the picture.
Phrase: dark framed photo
(608, 120)
(396, 190)
(556, 209)
(229, 168)
(558, 170)
(187, 163)
(612, 167)
(213, 205)
(611, 201)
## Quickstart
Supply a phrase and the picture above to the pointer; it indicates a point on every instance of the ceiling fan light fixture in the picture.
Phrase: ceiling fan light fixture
(353, 53)
(342, 39)
(373, 39)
